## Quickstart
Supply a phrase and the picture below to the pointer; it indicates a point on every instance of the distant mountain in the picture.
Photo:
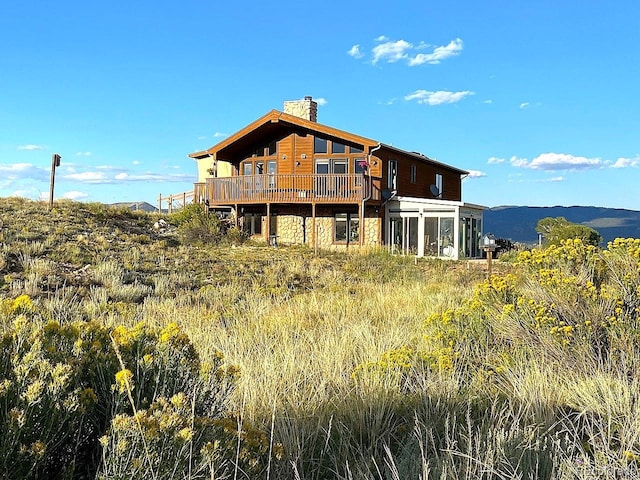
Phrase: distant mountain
(142, 206)
(519, 223)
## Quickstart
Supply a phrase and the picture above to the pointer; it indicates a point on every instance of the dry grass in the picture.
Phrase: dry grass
(297, 325)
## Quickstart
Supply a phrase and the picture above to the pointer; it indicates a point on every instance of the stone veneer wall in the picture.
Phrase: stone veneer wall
(290, 229)
(295, 229)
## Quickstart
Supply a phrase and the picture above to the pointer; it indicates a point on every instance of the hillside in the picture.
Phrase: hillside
(130, 349)
(518, 223)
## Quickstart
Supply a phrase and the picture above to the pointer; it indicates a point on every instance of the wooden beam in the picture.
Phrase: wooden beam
(268, 222)
(360, 225)
(314, 240)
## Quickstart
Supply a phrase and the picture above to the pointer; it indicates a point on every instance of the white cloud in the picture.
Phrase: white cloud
(391, 51)
(355, 52)
(439, 53)
(31, 147)
(220, 135)
(626, 162)
(518, 162)
(476, 174)
(10, 173)
(437, 98)
(88, 177)
(524, 104)
(31, 193)
(557, 161)
(75, 195)
(556, 179)
(136, 162)
(153, 177)
(487, 101)
(321, 101)
(15, 168)
(83, 154)
(495, 160)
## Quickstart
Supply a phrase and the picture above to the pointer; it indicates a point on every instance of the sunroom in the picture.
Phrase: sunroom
(433, 228)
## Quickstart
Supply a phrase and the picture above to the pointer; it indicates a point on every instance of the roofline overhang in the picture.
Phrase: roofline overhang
(424, 158)
(276, 116)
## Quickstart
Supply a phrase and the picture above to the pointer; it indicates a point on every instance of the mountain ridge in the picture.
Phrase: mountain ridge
(518, 223)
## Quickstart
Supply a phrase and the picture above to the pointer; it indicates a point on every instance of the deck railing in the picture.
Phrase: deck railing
(294, 188)
(176, 201)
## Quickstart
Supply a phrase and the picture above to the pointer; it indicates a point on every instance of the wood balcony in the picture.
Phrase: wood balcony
(291, 188)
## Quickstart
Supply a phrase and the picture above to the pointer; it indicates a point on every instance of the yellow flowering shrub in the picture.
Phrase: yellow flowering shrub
(64, 386)
(166, 438)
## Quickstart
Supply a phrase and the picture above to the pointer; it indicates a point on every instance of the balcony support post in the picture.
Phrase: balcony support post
(360, 224)
(267, 230)
(314, 239)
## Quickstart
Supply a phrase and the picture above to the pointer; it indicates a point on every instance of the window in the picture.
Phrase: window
(338, 147)
(355, 150)
(439, 184)
(340, 166)
(253, 223)
(320, 145)
(359, 165)
(322, 166)
(414, 173)
(271, 170)
(266, 150)
(346, 228)
(247, 169)
(438, 237)
(392, 175)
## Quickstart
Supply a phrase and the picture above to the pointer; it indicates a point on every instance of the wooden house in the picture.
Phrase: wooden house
(289, 179)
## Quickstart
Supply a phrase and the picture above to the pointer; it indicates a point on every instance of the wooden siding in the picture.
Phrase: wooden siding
(425, 177)
(295, 156)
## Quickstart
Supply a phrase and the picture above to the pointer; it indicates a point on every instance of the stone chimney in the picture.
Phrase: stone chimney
(305, 108)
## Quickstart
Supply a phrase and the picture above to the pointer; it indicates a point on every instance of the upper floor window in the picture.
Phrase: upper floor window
(359, 165)
(320, 145)
(414, 173)
(439, 184)
(338, 147)
(266, 150)
(392, 175)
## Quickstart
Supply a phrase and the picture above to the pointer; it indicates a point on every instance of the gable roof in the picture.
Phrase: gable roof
(276, 124)
(272, 125)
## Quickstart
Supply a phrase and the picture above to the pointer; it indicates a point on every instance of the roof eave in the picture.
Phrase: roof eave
(424, 158)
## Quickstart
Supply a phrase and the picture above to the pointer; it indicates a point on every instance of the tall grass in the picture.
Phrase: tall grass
(362, 366)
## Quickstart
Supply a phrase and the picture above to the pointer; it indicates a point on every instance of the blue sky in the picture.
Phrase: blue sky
(538, 100)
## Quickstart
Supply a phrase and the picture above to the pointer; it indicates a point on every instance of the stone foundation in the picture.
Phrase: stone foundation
(298, 229)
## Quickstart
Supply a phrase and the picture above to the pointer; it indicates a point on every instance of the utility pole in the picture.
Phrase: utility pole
(55, 162)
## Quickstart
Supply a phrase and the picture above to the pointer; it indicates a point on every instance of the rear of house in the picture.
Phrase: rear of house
(287, 178)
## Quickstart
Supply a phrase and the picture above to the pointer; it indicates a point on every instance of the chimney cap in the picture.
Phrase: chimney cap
(308, 97)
